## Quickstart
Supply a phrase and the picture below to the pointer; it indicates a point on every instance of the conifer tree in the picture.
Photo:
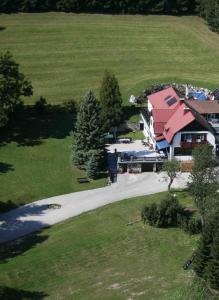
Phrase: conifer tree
(203, 253)
(95, 163)
(212, 272)
(88, 134)
(111, 102)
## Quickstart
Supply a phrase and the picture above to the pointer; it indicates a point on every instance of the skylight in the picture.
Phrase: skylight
(171, 101)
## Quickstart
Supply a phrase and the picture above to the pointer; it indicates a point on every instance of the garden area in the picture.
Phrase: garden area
(130, 258)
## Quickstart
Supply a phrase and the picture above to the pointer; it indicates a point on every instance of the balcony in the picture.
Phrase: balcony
(133, 159)
(192, 144)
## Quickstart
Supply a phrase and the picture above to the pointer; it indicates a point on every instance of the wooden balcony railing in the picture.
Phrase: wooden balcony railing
(192, 145)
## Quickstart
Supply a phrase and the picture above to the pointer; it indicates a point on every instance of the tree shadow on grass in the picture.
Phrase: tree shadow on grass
(19, 246)
(2, 28)
(9, 205)
(26, 127)
(8, 293)
(5, 167)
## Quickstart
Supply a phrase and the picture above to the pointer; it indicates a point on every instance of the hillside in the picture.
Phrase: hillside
(66, 54)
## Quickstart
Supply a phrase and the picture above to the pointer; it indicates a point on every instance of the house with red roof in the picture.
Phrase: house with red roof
(176, 126)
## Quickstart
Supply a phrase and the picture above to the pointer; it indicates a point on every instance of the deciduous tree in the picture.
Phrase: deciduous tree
(13, 85)
(203, 178)
(171, 167)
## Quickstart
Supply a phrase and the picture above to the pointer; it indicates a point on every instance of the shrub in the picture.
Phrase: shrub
(168, 212)
(191, 223)
(164, 214)
(149, 214)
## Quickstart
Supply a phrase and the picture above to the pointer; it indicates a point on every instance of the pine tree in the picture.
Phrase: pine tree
(88, 134)
(212, 271)
(111, 102)
(203, 253)
(95, 163)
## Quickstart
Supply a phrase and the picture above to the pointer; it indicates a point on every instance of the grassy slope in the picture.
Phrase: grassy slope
(97, 256)
(65, 54)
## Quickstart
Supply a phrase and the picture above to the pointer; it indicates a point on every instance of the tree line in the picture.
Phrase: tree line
(106, 6)
(208, 9)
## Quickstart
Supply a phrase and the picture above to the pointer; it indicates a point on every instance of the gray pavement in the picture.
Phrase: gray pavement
(35, 216)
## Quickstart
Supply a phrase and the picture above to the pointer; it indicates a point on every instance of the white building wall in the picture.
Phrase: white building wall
(150, 107)
(177, 143)
(148, 131)
(177, 138)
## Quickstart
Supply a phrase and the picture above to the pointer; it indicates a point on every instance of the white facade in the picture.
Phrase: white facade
(176, 142)
(149, 131)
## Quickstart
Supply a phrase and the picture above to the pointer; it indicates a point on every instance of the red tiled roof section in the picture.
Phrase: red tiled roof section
(162, 111)
(204, 107)
(159, 99)
(181, 118)
(159, 127)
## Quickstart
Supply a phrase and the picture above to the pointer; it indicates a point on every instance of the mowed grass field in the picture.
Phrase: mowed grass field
(98, 256)
(64, 55)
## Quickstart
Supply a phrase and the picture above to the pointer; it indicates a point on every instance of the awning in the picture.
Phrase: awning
(162, 145)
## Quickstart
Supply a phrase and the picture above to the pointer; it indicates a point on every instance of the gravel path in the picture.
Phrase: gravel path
(35, 216)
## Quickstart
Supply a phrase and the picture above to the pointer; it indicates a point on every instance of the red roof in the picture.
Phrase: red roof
(181, 118)
(163, 109)
(162, 115)
(159, 100)
(159, 127)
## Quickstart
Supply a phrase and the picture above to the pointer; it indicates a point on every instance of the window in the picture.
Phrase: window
(186, 137)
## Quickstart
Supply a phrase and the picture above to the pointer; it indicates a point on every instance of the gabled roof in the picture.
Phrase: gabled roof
(159, 127)
(162, 99)
(162, 115)
(164, 105)
(204, 107)
(180, 119)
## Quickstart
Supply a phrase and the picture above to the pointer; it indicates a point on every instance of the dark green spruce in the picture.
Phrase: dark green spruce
(110, 101)
(88, 146)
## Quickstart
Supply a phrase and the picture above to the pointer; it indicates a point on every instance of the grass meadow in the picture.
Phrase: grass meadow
(66, 54)
(98, 256)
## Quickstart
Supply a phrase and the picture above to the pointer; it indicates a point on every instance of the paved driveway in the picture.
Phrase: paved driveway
(35, 216)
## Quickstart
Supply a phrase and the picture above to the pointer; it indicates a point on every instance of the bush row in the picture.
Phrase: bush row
(169, 213)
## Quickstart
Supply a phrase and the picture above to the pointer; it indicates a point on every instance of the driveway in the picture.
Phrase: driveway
(35, 216)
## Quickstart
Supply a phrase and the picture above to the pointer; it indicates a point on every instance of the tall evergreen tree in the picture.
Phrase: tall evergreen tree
(110, 101)
(212, 271)
(88, 133)
(203, 253)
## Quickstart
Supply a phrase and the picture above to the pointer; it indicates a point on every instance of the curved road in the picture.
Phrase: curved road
(36, 215)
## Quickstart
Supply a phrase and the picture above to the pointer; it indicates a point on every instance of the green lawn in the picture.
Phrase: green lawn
(66, 54)
(98, 256)
(35, 159)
